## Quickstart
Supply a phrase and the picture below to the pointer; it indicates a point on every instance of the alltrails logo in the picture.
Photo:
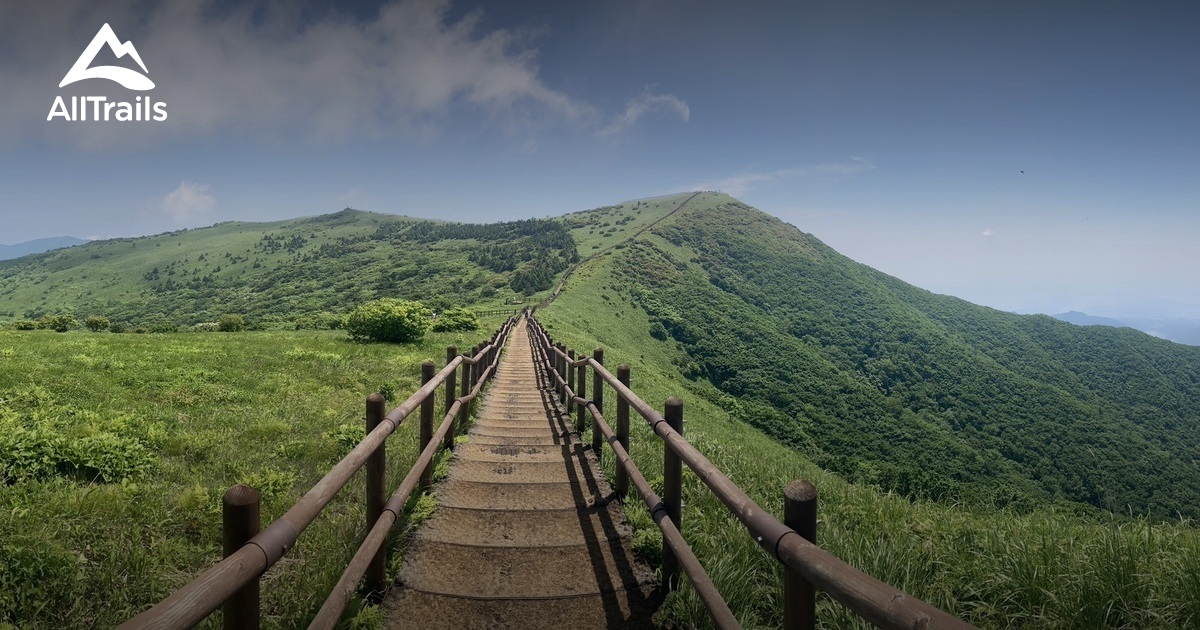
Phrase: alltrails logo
(142, 108)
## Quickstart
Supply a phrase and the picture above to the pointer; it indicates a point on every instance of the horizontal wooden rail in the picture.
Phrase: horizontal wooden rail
(497, 311)
(191, 603)
(879, 603)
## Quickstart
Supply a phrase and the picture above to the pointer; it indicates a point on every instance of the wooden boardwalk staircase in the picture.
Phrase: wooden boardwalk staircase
(526, 533)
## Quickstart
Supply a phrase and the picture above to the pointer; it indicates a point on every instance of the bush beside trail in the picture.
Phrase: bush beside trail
(389, 319)
(456, 319)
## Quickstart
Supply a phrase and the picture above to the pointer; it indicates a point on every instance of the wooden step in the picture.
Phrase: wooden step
(412, 609)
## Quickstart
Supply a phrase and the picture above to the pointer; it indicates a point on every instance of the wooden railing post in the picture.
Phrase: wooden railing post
(239, 523)
(562, 371)
(464, 388)
(451, 352)
(799, 595)
(427, 373)
(598, 399)
(376, 576)
(581, 391)
(570, 404)
(481, 365)
(672, 490)
(622, 479)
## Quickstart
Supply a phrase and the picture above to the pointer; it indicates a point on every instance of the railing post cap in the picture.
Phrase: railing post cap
(376, 398)
(240, 495)
(800, 490)
(674, 401)
(598, 350)
(451, 349)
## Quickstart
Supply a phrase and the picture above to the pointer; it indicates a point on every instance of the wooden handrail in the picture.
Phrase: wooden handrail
(872, 599)
(332, 609)
(194, 601)
(716, 605)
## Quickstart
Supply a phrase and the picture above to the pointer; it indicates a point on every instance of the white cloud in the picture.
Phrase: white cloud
(740, 184)
(187, 203)
(646, 103)
(267, 67)
(988, 232)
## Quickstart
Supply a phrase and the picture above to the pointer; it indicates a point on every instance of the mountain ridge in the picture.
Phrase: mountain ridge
(980, 405)
(38, 246)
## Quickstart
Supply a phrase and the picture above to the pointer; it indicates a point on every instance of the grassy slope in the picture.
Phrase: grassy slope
(922, 394)
(263, 408)
(599, 229)
(991, 566)
(322, 264)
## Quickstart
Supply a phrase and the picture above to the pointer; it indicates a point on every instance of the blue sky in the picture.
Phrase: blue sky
(895, 132)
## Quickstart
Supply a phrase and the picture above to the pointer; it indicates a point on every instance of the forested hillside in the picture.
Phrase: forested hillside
(921, 394)
(291, 271)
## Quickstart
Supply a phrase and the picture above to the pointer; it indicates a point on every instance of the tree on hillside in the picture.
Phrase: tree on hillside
(58, 323)
(231, 323)
(96, 323)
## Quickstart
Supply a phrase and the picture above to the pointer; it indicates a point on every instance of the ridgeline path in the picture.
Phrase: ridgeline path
(527, 533)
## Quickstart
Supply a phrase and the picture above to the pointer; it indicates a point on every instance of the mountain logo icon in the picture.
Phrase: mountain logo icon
(130, 79)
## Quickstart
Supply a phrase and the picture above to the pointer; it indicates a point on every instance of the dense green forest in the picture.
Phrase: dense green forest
(287, 272)
(924, 395)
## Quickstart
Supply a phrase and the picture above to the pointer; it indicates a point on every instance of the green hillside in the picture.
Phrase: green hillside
(1014, 470)
(995, 567)
(920, 394)
(288, 271)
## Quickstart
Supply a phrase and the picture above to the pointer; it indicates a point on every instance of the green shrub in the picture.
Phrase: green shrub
(347, 436)
(163, 327)
(117, 327)
(96, 323)
(456, 319)
(57, 323)
(206, 327)
(389, 319)
(231, 323)
(25, 324)
(110, 458)
(270, 483)
(41, 453)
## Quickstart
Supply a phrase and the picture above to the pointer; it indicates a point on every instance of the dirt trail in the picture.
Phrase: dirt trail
(525, 534)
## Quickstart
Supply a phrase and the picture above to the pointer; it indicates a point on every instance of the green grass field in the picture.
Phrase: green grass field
(271, 409)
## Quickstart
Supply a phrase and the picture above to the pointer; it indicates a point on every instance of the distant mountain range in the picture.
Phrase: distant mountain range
(1083, 319)
(1179, 330)
(38, 246)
